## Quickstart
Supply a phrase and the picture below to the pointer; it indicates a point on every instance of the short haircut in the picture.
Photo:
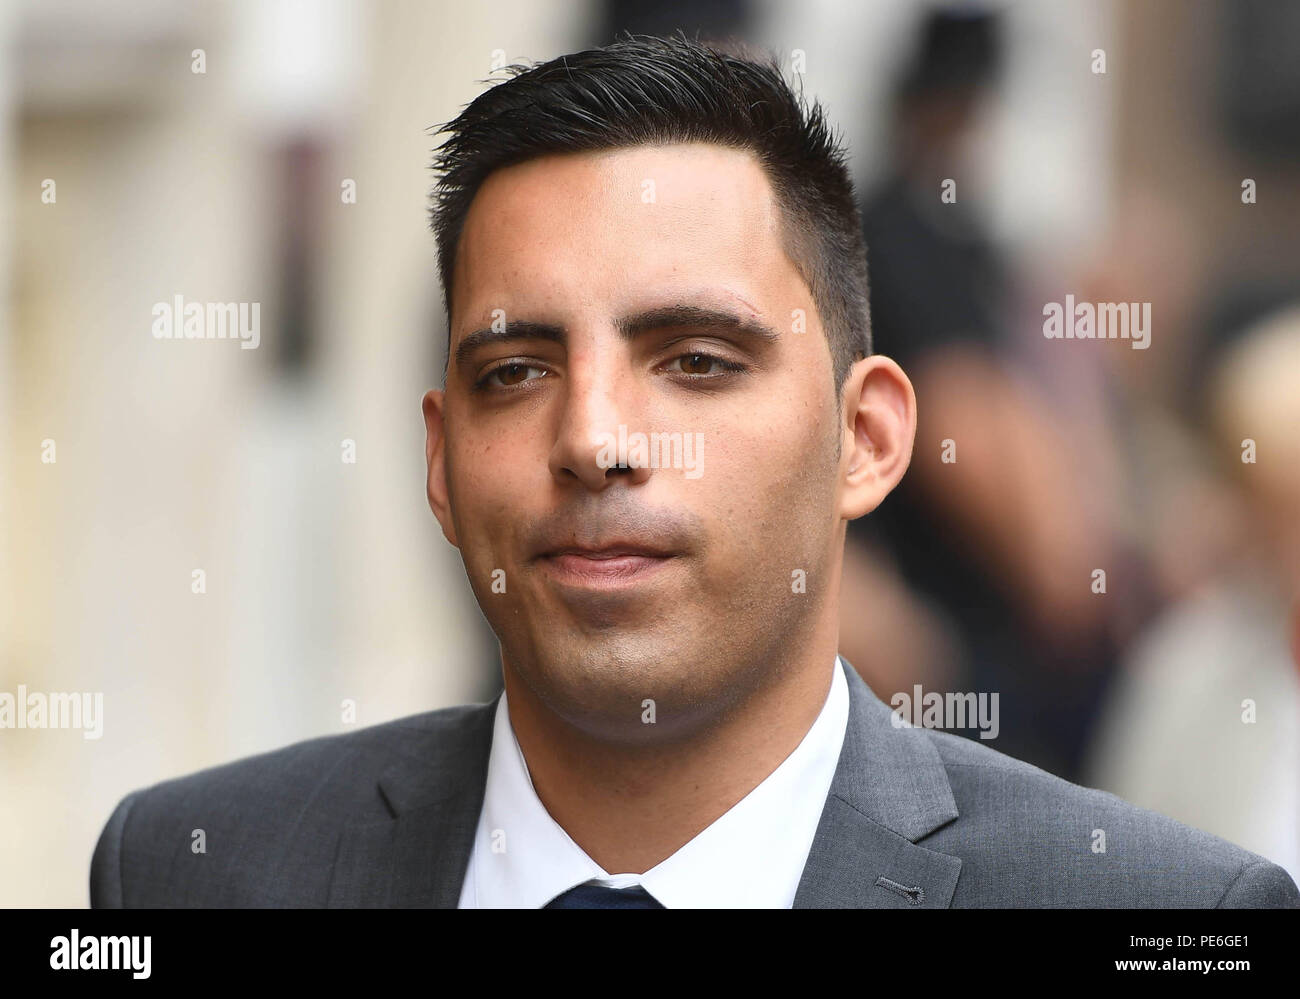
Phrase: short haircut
(644, 90)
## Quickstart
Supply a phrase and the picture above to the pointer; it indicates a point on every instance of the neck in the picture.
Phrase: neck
(631, 807)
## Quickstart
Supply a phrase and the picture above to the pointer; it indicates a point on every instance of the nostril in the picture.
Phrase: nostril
(617, 470)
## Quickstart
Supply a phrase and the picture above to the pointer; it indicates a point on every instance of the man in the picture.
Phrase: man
(660, 412)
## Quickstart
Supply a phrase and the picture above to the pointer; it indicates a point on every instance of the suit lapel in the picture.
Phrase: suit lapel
(417, 857)
(890, 789)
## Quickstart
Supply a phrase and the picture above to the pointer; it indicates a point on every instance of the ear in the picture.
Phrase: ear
(435, 456)
(879, 427)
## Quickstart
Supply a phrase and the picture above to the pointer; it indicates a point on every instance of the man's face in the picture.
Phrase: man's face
(603, 296)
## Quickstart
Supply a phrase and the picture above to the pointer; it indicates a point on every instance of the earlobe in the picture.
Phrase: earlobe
(435, 455)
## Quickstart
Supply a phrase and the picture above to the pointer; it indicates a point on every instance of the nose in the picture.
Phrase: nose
(599, 411)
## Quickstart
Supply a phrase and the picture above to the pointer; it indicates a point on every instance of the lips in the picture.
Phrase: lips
(609, 551)
(607, 565)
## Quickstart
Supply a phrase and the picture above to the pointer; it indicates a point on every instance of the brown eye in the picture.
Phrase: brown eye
(696, 364)
(512, 374)
(705, 368)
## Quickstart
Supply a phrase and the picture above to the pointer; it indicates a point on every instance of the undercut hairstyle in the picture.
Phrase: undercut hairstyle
(643, 90)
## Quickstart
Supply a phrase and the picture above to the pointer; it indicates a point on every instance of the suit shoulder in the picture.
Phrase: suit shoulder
(1033, 838)
(361, 756)
(277, 811)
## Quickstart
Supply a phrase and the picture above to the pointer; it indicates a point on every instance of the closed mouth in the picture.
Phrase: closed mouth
(609, 552)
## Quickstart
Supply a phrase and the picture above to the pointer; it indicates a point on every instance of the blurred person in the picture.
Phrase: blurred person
(982, 540)
(1205, 724)
(894, 638)
(1176, 509)
(657, 237)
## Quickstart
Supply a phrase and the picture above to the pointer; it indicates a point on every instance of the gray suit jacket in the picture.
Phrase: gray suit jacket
(914, 819)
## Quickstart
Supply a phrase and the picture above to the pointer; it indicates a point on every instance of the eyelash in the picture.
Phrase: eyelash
(730, 367)
(482, 384)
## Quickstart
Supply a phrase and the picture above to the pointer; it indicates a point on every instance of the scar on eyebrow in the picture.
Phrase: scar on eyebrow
(697, 317)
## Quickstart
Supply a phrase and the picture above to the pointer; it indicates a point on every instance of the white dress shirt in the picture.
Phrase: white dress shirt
(750, 857)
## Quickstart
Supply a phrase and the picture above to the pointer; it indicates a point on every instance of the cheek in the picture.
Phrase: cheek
(772, 488)
(479, 485)
(782, 445)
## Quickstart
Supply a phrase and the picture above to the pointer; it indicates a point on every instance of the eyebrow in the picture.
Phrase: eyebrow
(667, 317)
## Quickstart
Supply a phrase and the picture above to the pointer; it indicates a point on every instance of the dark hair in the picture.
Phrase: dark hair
(643, 90)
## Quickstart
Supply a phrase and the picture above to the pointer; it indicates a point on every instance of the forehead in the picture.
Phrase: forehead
(610, 227)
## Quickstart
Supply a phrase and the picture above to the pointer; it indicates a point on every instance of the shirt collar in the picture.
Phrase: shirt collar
(750, 857)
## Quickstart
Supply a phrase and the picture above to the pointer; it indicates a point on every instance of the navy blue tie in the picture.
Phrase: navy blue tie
(600, 897)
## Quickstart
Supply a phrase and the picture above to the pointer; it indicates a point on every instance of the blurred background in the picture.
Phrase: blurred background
(277, 151)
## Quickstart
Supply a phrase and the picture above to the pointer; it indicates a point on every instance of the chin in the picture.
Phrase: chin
(602, 686)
